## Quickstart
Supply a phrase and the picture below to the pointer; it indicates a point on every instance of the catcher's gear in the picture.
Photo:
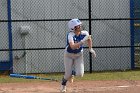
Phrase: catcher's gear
(93, 52)
(72, 23)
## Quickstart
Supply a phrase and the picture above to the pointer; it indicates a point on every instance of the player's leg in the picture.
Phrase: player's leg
(71, 79)
(79, 65)
(68, 62)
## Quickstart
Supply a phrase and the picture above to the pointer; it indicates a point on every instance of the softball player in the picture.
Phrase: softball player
(73, 54)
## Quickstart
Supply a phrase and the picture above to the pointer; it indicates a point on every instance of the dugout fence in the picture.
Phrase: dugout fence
(33, 34)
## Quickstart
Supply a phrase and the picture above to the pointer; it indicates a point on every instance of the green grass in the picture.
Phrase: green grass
(108, 75)
(118, 75)
(7, 79)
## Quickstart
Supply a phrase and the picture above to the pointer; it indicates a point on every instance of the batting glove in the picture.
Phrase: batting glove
(93, 52)
(86, 38)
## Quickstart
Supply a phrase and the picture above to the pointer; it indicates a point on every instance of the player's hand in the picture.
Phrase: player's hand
(86, 38)
(93, 52)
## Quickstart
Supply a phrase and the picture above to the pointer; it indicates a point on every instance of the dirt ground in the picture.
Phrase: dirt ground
(125, 86)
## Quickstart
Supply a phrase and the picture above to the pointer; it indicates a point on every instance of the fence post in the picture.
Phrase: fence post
(132, 33)
(10, 35)
(90, 55)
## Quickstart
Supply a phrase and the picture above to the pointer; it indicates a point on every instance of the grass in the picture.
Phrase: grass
(118, 75)
(7, 79)
(108, 75)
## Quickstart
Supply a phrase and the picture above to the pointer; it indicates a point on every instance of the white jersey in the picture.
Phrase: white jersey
(72, 37)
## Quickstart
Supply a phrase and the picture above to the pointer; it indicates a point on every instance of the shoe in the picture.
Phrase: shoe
(63, 88)
(71, 79)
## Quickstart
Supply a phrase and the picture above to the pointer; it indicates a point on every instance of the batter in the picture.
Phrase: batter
(73, 54)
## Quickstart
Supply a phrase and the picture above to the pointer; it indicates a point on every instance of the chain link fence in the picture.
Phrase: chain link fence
(39, 27)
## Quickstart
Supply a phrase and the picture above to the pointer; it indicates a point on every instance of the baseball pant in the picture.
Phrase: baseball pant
(76, 60)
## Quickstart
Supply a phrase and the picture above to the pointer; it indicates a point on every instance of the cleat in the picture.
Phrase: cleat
(63, 88)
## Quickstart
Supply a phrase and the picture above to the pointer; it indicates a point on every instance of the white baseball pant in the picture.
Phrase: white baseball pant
(76, 60)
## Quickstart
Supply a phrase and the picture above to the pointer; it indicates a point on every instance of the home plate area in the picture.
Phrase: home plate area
(122, 86)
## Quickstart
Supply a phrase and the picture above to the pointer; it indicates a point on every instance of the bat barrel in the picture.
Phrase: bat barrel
(22, 76)
(30, 77)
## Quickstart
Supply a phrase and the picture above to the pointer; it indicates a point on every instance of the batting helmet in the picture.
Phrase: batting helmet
(72, 23)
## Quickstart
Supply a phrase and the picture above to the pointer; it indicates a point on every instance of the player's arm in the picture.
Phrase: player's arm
(77, 45)
(89, 42)
(74, 45)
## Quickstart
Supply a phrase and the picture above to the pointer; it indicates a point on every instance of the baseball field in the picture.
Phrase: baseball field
(127, 81)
